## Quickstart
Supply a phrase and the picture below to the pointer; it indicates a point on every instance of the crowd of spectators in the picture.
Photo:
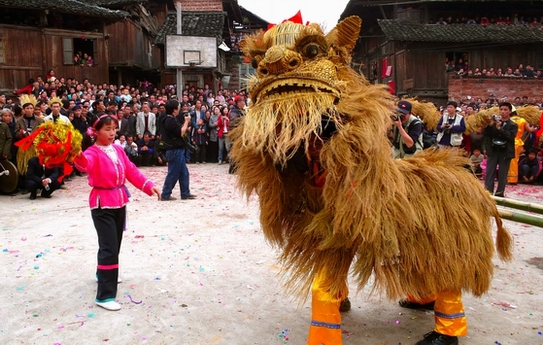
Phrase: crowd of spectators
(462, 68)
(83, 59)
(139, 109)
(487, 20)
(530, 159)
(493, 101)
(235, 40)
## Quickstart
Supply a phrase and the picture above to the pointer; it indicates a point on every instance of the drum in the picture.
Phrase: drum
(8, 176)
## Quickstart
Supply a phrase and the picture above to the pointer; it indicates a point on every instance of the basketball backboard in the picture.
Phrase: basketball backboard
(191, 51)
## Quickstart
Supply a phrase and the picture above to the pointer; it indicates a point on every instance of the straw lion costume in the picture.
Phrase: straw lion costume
(313, 146)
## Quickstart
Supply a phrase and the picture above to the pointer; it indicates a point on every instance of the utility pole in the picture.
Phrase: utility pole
(179, 32)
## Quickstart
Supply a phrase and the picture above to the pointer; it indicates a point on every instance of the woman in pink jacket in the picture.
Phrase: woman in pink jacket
(108, 168)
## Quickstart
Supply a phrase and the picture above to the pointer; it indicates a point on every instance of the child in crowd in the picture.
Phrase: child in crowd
(108, 168)
(529, 167)
(475, 160)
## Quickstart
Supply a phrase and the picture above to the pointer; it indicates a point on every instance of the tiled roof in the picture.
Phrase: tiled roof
(108, 3)
(469, 33)
(205, 24)
(66, 6)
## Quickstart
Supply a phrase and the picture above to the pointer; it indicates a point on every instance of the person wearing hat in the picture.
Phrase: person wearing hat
(450, 127)
(407, 132)
(237, 111)
(524, 129)
(56, 115)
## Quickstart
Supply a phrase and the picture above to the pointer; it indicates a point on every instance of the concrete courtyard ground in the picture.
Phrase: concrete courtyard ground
(200, 272)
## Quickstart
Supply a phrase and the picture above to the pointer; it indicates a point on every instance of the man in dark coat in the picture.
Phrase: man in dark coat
(500, 148)
(40, 177)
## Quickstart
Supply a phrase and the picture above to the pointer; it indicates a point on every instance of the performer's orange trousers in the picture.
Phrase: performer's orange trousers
(449, 312)
(325, 326)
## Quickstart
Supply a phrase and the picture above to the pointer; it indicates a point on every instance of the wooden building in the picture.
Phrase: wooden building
(133, 56)
(39, 35)
(402, 45)
(221, 19)
(125, 38)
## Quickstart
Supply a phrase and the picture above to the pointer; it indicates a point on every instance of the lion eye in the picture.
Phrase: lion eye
(311, 50)
(254, 63)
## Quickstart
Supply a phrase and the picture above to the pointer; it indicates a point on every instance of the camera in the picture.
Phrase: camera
(396, 116)
(496, 117)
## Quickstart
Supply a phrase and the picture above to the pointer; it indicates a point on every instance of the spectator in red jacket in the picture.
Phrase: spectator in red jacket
(32, 87)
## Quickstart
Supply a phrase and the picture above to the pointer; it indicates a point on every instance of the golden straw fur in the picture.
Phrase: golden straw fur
(414, 226)
(427, 112)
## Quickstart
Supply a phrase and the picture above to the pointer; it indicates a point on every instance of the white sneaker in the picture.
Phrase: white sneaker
(111, 305)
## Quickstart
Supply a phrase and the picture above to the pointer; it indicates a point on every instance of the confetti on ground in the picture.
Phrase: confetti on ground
(283, 335)
(505, 305)
(132, 300)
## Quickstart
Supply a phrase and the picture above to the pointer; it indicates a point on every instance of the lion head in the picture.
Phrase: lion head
(302, 79)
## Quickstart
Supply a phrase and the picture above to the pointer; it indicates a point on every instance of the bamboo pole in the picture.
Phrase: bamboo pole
(519, 205)
(521, 217)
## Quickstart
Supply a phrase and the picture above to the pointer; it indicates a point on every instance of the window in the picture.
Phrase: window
(456, 61)
(81, 46)
(2, 49)
(245, 71)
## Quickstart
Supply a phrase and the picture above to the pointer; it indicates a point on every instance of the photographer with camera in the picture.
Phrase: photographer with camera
(175, 146)
(27, 123)
(500, 148)
(450, 127)
(407, 132)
